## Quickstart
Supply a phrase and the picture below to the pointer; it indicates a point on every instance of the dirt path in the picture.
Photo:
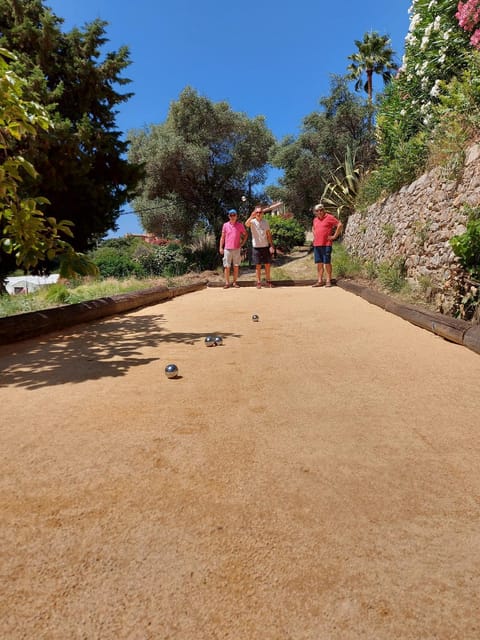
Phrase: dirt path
(316, 477)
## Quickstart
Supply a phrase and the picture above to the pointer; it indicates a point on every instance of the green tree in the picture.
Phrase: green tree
(287, 233)
(81, 160)
(309, 160)
(198, 163)
(374, 56)
(26, 234)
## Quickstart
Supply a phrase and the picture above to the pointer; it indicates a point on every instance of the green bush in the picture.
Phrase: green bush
(113, 264)
(204, 255)
(168, 260)
(467, 245)
(287, 233)
(127, 245)
(57, 294)
(390, 177)
(458, 118)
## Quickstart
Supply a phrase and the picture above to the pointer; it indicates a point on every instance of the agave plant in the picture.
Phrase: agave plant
(340, 193)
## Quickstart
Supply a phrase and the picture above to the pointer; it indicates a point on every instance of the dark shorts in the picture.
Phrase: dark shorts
(261, 255)
(322, 254)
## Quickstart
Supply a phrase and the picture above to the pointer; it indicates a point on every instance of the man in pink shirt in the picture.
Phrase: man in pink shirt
(323, 228)
(234, 236)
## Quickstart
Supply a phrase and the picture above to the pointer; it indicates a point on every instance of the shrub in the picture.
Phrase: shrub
(168, 260)
(114, 264)
(345, 264)
(204, 255)
(57, 293)
(287, 233)
(469, 304)
(391, 176)
(392, 275)
(127, 244)
(467, 245)
(370, 269)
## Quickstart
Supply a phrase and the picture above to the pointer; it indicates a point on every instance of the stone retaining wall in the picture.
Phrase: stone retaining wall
(416, 223)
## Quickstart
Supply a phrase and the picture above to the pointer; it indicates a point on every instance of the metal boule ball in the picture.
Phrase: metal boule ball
(255, 318)
(171, 371)
(218, 341)
(210, 341)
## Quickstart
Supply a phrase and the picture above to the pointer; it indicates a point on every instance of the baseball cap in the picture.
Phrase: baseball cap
(232, 212)
(319, 206)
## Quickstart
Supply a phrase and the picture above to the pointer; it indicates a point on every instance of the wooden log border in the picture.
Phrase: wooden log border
(37, 323)
(451, 329)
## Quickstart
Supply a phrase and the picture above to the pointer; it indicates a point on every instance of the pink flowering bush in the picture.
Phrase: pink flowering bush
(468, 16)
(475, 39)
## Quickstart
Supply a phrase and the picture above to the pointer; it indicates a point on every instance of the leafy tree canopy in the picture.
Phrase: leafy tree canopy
(198, 163)
(340, 127)
(27, 236)
(81, 164)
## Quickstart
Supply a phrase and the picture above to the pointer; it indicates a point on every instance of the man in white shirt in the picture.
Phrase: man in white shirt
(262, 245)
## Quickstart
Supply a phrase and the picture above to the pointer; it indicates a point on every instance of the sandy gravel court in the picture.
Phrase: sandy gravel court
(314, 478)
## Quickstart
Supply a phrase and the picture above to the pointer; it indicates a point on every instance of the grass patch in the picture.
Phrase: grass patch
(56, 295)
(392, 275)
(22, 303)
(345, 265)
(279, 273)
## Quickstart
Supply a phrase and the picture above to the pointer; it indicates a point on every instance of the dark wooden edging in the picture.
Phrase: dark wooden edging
(36, 323)
(452, 329)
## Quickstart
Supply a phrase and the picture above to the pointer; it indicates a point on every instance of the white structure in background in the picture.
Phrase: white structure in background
(28, 284)
(275, 209)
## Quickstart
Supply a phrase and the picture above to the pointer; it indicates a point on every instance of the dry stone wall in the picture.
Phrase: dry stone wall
(415, 225)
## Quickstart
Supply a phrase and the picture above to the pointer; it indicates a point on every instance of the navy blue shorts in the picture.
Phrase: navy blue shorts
(261, 255)
(322, 254)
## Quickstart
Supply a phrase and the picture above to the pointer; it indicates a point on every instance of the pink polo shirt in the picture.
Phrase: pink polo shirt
(232, 234)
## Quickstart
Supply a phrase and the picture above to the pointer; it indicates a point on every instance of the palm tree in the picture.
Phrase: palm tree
(374, 55)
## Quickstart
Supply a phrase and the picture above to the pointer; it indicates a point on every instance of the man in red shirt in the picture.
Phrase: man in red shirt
(234, 236)
(326, 228)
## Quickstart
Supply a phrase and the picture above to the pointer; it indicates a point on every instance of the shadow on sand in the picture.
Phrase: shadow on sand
(102, 349)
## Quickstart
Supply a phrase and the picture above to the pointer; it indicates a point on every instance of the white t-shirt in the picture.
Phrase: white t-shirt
(259, 233)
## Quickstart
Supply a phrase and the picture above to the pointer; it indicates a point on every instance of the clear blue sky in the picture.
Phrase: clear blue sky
(262, 57)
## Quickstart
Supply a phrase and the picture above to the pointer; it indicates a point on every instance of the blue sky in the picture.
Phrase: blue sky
(262, 57)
